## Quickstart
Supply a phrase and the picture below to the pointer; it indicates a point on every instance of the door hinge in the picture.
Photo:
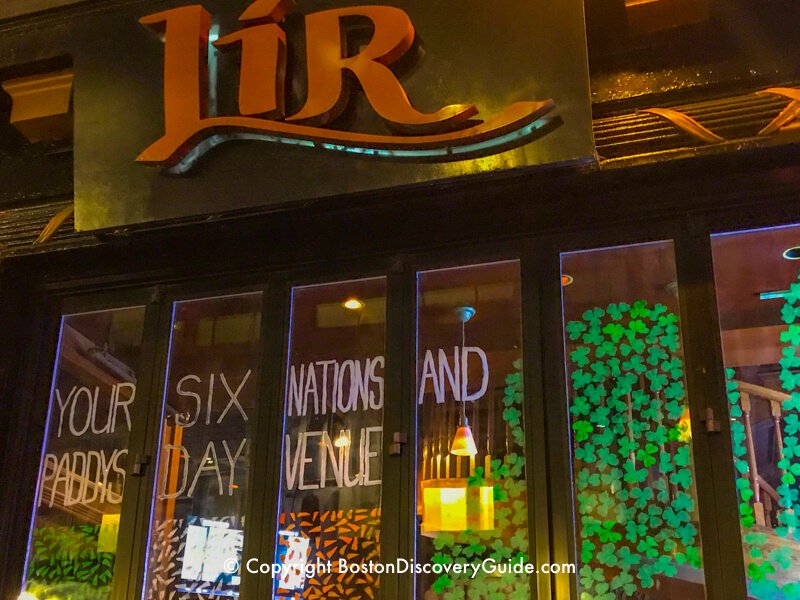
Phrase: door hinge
(712, 424)
(399, 438)
(139, 466)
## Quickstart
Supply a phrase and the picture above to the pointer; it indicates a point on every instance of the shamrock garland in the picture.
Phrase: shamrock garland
(509, 540)
(633, 464)
(763, 562)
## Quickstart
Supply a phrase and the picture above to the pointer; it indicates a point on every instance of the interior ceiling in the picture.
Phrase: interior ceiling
(747, 264)
(623, 274)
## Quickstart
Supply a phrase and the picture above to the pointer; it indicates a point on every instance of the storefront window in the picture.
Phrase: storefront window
(330, 496)
(198, 512)
(73, 543)
(637, 516)
(472, 491)
(758, 294)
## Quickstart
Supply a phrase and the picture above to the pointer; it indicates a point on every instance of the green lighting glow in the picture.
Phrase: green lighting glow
(773, 295)
(454, 152)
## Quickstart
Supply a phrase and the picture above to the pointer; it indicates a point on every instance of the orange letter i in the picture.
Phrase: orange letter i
(262, 74)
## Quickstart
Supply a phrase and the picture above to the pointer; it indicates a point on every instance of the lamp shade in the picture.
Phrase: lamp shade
(463, 442)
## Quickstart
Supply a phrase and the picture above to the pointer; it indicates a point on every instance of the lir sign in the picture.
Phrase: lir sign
(316, 99)
(446, 134)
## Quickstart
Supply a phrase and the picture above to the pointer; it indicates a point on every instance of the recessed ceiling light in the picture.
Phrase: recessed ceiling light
(566, 280)
(353, 304)
(792, 253)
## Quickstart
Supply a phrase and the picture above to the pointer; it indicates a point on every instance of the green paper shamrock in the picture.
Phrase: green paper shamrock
(639, 309)
(614, 331)
(582, 430)
(607, 534)
(580, 356)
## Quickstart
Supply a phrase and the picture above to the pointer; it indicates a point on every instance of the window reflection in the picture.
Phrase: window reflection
(73, 544)
(331, 474)
(472, 491)
(758, 295)
(197, 530)
(637, 520)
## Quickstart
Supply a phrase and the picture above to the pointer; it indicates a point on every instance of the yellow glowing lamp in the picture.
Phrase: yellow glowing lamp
(353, 304)
(452, 505)
(343, 441)
(685, 426)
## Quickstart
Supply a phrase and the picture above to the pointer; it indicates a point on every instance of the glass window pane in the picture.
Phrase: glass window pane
(198, 512)
(758, 294)
(472, 492)
(73, 542)
(637, 523)
(330, 498)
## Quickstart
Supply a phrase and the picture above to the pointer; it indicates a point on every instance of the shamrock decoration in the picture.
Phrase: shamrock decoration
(771, 567)
(633, 462)
(582, 430)
(509, 539)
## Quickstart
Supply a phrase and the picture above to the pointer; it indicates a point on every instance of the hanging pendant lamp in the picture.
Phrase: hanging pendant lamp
(463, 441)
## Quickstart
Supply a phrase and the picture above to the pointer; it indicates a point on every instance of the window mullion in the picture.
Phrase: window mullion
(556, 421)
(266, 468)
(722, 544)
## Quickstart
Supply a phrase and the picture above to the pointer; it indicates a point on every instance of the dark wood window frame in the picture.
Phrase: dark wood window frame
(551, 509)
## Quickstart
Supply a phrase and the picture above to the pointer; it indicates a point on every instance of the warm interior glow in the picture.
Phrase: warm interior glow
(685, 426)
(107, 536)
(651, 16)
(353, 304)
(342, 441)
(452, 505)
(445, 509)
(486, 515)
(463, 442)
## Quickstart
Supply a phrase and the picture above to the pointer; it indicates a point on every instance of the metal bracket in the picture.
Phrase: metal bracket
(399, 438)
(156, 294)
(139, 466)
(398, 264)
(712, 425)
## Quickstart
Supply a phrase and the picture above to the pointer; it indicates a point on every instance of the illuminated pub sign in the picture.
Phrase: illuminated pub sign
(229, 105)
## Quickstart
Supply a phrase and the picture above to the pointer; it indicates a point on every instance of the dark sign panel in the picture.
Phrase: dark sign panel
(188, 109)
